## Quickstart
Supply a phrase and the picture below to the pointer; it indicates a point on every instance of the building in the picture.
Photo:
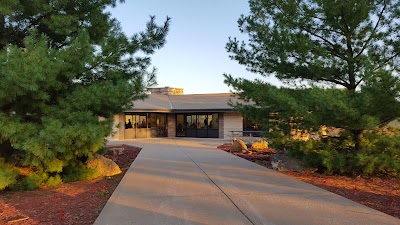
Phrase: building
(167, 112)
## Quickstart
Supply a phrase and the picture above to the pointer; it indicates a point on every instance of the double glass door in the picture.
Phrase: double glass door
(197, 125)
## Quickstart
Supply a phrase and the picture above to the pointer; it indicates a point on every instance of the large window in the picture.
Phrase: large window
(197, 125)
(145, 125)
(251, 129)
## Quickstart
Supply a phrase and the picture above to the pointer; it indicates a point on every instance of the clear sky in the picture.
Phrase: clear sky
(194, 57)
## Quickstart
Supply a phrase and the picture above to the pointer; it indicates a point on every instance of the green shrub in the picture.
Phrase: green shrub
(7, 175)
(54, 180)
(55, 165)
(31, 181)
(379, 154)
(76, 172)
(260, 145)
(102, 151)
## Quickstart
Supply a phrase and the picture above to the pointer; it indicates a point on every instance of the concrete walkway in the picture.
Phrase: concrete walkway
(189, 181)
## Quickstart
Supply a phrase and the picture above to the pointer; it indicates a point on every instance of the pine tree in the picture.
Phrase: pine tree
(345, 55)
(65, 69)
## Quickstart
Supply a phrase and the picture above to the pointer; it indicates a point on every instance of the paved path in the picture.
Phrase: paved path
(189, 181)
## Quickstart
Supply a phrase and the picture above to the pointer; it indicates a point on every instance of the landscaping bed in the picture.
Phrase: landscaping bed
(69, 203)
(380, 193)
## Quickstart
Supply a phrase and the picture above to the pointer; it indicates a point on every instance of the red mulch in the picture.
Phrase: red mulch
(69, 203)
(252, 155)
(382, 194)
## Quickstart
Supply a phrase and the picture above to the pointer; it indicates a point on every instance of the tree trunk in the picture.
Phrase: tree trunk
(357, 135)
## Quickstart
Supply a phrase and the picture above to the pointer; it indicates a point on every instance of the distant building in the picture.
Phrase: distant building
(168, 112)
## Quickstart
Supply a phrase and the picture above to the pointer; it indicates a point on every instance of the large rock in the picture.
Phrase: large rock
(238, 146)
(103, 166)
(283, 162)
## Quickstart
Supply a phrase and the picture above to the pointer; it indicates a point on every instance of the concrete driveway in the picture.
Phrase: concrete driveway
(189, 181)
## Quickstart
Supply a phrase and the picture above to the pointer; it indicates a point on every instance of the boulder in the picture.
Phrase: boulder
(283, 162)
(238, 146)
(103, 166)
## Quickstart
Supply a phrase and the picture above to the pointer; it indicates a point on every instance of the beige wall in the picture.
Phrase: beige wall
(118, 132)
(231, 121)
(171, 125)
(221, 125)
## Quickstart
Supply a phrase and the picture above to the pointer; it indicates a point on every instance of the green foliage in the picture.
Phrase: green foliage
(379, 155)
(31, 181)
(315, 47)
(7, 175)
(54, 180)
(78, 171)
(63, 67)
(102, 151)
(260, 145)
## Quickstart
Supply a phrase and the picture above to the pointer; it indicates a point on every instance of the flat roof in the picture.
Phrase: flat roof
(217, 102)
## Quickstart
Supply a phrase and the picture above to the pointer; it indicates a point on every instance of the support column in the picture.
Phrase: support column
(171, 125)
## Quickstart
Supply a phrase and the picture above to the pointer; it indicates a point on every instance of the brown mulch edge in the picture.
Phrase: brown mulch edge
(253, 157)
(380, 193)
(69, 203)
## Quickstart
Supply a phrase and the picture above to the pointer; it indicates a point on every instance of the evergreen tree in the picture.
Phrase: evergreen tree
(65, 69)
(347, 52)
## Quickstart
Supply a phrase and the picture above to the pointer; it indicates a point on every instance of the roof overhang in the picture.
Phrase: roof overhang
(179, 110)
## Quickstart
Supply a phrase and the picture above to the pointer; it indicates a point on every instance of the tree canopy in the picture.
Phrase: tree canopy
(66, 68)
(348, 52)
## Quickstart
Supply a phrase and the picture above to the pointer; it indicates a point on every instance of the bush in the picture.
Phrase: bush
(260, 145)
(54, 180)
(379, 154)
(7, 175)
(103, 150)
(77, 171)
(31, 181)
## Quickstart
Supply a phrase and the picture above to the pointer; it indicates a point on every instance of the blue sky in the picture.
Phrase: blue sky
(194, 57)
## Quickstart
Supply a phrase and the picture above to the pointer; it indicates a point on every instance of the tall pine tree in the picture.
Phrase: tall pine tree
(347, 52)
(63, 65)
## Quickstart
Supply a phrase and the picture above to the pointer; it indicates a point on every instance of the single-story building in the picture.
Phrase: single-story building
(167, 112)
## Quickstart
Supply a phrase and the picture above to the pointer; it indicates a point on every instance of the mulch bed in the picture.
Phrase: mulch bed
(380, 193)
(252, 155)
(69, 203)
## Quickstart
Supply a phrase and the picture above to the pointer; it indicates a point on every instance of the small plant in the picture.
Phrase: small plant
(7, 175)
(260, 145)
(102, 191)
(54, 181)
(31, 181)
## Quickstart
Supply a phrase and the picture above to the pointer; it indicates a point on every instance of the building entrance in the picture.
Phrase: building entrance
(202, 125)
